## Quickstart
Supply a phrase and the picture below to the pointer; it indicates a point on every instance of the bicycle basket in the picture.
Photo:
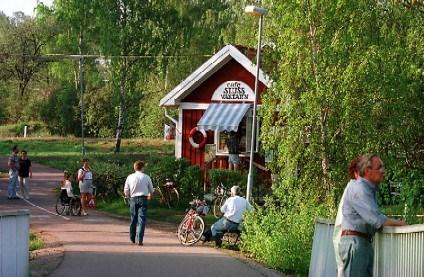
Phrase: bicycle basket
(199, 206)
(202, 210)
(219, 190)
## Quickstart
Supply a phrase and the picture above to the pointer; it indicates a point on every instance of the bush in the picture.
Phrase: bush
(34, 242)
(281, 237)
(167, 167)
(190, 183)
(412, 194)
(109, 179)
(228, 178)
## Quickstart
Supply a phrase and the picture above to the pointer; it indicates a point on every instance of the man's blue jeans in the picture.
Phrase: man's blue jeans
(13, 181)
(223, 225)
(138, 212)
(357, 255)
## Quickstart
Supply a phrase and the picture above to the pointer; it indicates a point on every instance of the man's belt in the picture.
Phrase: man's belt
(142, 196)
(230, 220)
(355, 233)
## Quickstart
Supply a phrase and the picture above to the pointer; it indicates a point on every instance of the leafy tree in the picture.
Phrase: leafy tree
(349, 75)
(21, 47)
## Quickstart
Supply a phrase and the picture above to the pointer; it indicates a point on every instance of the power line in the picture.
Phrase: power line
(105, 57)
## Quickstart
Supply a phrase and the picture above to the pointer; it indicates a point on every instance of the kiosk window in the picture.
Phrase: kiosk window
(244, 132)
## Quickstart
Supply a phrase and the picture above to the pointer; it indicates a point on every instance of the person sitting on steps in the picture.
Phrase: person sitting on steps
(233, 210)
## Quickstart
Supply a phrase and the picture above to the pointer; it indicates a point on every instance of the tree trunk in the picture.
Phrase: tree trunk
(314, 44)
(122, 87)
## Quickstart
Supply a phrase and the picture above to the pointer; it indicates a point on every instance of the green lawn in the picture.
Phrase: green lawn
(155, 211)
(65, 153)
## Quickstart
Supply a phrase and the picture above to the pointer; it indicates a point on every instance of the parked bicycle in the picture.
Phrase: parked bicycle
(168, 194)
(221, 195)
(192, 226)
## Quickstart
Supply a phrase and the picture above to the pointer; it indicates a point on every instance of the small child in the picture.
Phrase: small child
(66, 184)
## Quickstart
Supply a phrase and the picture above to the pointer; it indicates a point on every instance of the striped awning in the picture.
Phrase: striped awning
(223, 117)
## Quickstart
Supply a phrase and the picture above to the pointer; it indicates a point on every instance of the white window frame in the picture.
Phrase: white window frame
(248, 136)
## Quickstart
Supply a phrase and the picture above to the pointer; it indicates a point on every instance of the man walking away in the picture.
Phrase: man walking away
(13, 164)
(362, 218)
(138, 188)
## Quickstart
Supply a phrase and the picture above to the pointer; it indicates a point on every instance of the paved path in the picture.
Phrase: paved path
(98, 245)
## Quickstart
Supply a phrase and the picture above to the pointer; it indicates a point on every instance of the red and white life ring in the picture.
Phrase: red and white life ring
(191, 140)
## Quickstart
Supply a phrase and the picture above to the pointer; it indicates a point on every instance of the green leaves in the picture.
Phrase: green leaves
(347, 80)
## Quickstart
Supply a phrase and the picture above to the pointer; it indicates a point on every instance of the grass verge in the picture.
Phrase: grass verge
(154, 211)
(34, 242)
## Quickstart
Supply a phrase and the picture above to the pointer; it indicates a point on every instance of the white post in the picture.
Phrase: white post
(25, 131)
(260, 12)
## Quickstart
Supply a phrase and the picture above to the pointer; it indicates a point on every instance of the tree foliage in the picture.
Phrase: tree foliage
(349, 80)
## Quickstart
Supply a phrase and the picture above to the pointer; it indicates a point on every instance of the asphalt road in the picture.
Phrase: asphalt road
(98, 245)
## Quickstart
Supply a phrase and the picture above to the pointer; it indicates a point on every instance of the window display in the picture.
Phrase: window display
(244, 133)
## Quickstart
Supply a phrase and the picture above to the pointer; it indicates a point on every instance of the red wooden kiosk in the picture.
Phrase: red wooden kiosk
(215, 99)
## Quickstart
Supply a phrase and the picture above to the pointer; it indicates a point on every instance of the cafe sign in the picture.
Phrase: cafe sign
(233, 91)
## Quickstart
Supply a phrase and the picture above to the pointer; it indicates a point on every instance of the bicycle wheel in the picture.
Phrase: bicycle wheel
(75, 207)
(173, 198)
(217, 204)
(60, 207)
(217, 207)
(190, 230)
(159, 195)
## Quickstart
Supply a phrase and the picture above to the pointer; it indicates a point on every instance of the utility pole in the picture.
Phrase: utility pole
(81, 79)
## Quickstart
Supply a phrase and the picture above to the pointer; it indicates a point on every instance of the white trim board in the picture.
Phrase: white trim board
(217, 61)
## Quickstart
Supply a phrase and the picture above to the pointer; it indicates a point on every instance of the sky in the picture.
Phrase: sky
(26, 6)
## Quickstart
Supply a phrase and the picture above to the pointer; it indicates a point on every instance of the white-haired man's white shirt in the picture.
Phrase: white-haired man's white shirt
(234, 208)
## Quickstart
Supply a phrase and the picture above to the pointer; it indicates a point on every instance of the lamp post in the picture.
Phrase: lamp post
(255, 11)
(81, 77)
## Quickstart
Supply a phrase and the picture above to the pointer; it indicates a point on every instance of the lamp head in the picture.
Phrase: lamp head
(255, 10)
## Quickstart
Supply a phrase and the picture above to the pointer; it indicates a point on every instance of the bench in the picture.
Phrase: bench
(232, 237)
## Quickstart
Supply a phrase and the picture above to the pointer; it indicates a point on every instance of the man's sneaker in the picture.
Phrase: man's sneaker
(218, 242)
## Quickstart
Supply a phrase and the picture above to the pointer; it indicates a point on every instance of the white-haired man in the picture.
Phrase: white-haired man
(233, 210)
(362, 218)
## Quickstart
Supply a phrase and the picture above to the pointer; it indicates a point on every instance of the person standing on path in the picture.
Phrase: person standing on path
(25, 173)
(13, 164)
(139, 189)
(85, 178)
(362, 218)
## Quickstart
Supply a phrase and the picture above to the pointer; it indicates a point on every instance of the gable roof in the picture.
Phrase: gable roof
(217, 61)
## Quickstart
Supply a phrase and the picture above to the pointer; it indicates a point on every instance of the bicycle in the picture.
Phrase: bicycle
(192, 226)
(168, 194)
(222, 193)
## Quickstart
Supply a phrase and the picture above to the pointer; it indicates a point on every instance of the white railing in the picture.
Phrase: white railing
(323, 260)
(398, 251)
(14, 237)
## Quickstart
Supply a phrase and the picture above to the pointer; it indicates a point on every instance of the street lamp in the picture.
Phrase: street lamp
(81, 77)
(255, 11)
